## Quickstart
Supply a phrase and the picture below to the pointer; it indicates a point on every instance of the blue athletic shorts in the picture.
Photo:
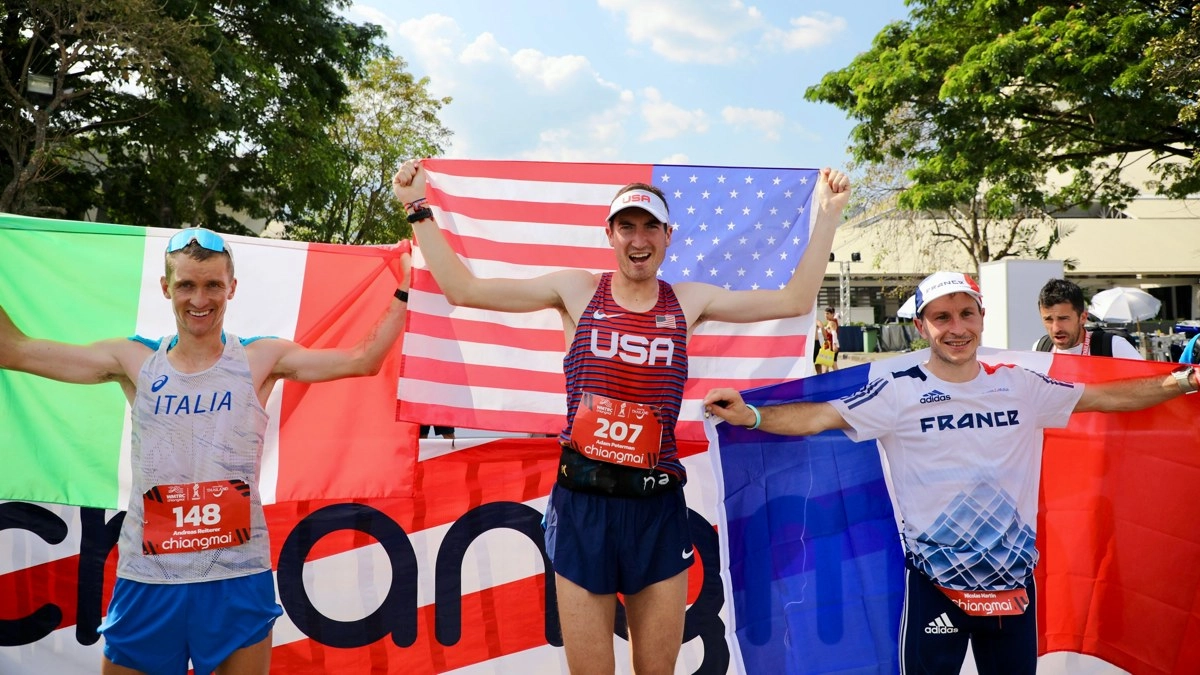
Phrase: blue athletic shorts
(934, 634)
(617, 544)
(156, 628)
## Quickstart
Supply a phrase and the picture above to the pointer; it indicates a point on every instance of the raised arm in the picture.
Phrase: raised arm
(800, 293)
(295, 362)
(1127, 395)
(460, 286)
(113, 360)
(788, 419)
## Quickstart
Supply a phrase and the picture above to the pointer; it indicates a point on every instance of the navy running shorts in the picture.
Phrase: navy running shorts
(156, 628)
(934, 634)
(612, 545)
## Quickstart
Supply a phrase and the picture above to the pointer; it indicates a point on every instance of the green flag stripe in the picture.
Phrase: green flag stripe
(77, 283)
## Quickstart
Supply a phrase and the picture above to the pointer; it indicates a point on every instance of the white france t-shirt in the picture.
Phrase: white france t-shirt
(965, 463)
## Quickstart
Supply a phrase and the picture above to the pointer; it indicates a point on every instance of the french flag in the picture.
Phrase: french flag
(813, 563)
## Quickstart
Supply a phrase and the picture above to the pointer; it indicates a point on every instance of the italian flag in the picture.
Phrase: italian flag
(83, 282)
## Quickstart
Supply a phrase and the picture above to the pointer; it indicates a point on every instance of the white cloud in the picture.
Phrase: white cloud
(552, 71)
(667, 120)
(717, 33)
(806, 32)
(681, 31)
(507, 103)
(767, 122)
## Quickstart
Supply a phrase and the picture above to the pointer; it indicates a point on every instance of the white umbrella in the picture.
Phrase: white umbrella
(1124, 305)
(909, 309)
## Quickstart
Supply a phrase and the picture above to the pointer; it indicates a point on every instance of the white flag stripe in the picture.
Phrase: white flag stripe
(548, 319)
(512, 232)
(485, 354)
(545, 192)
(481, 354)
(487, 398)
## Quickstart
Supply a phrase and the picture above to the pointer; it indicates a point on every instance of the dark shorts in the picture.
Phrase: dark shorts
(156, 628)
(617, 544)
(934, 634)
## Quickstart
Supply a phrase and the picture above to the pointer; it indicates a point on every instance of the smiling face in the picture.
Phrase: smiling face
(1063, 324)
(640, 242)
(953, 325)
(198, 291)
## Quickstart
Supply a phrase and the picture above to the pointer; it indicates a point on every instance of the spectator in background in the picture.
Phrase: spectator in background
(829, 339)
(1064, 315)
(444, 432)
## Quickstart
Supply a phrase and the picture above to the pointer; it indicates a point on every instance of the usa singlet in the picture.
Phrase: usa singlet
(640, 357)
(197, 440)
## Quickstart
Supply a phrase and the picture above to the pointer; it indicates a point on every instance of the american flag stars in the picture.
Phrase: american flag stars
(762, 246)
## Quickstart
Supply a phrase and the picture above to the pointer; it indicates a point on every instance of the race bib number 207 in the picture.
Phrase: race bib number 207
(618, 432)
(189, 517)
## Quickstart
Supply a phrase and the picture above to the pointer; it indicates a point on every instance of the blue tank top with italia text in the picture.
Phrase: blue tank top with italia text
(639, 357)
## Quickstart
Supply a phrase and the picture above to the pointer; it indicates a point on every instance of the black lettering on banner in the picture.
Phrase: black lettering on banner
(51, 529)
(397, 614)
(703, 618)
(97, 541)
(448, 572)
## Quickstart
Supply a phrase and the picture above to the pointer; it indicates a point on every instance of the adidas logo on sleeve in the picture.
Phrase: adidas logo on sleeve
(940, 625)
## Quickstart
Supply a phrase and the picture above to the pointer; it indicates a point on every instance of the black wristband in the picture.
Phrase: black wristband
(420, 214)
(401, 295)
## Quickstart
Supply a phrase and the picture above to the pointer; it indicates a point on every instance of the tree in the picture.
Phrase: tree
(280, 70)
(921, 235)
(73, 68)
(389, 117)
(177, 111)
(991, 100)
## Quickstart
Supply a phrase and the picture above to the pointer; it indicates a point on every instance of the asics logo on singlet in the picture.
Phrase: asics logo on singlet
(159, 383)
(600, 316)
(934, 396)
(634, 349)
(970, 420)
(940, 625)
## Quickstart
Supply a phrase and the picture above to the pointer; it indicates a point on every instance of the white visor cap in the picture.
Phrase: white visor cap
(640, 199)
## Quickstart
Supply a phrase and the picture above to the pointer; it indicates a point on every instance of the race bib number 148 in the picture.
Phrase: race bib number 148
(189, 517)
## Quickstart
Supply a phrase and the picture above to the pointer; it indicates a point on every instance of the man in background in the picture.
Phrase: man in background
(1064, 315)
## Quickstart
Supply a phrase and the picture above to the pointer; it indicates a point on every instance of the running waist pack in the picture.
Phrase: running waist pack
(582, 474)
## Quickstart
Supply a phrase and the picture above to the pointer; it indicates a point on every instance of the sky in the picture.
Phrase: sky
(711, 82)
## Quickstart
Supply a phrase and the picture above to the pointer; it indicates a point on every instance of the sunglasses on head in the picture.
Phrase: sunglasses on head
(205, 238)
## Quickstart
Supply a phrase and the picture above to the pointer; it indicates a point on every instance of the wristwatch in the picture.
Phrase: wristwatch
(1183, 377)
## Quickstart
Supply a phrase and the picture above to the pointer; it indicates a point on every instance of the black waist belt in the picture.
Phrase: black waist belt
(583, 474)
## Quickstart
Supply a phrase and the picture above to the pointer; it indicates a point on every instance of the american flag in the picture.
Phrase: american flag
(740, 228)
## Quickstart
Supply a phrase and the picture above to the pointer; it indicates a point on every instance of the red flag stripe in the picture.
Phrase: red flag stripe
(613, 174)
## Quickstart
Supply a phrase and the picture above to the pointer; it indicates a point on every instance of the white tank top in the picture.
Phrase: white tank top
(192, 428)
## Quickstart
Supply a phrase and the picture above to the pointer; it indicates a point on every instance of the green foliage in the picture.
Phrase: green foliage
(918, 344)
(989, 98)
(279, 75)
(389, 118)
(184, 112)
(103, 61)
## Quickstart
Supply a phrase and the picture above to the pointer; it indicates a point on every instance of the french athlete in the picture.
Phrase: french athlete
(194, 575)
(963, 442)
(617, 521)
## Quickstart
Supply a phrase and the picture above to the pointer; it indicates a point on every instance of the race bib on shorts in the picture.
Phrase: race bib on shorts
(191, 517)
(989, 603)
(618, 432)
